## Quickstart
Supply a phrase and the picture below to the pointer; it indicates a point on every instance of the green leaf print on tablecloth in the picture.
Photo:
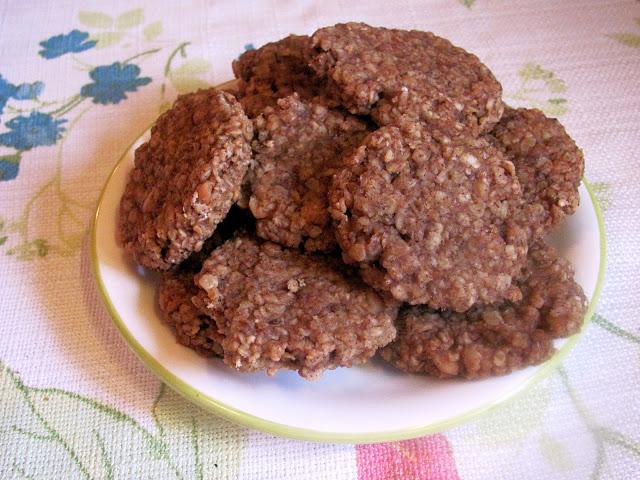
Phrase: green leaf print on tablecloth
(467, 3)
(541, 88)
(628, 38)
(555, 453)
(111, 31)
(78, 437)
(199, 442)
(513, 422)
(95, 19)
(602, 192)
(130, 19)
(186, 77)
(604, 437)
(152, 31)
(615, 329)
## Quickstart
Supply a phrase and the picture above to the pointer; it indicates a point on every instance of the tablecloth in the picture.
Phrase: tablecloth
(80, 80)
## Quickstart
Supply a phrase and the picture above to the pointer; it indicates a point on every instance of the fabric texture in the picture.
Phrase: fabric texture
(81, 80)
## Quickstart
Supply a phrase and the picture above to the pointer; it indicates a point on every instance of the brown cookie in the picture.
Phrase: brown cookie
(494, 340)
(192, 328)
(429, 220)
(279, 309)
(238, 221)
(185, 179)
(277, 70)
(298, 147)
(402, 76)
(548, 163)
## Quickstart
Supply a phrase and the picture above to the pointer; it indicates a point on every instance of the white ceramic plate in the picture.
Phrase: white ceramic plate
(365, 404)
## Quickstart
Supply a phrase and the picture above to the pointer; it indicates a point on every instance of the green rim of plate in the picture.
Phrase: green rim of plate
(248, 420)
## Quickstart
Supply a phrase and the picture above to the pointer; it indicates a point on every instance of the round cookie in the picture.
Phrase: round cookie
(403, 76)
(494, 340)
(548, 163)
(185, 179)
(429, 220)
(279, 309)
(276, 70)
(298, 148)
(192, 328)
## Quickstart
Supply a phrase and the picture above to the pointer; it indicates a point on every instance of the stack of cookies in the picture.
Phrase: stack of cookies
(361, 189)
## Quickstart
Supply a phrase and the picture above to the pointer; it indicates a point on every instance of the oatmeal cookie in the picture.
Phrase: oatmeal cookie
(402, 76)
(192, 328)
(238, 221)
(279, 309)
(494, 340)
(276, 70)
(185, 179)
(429, 220)
(548, 163)
(298, 148)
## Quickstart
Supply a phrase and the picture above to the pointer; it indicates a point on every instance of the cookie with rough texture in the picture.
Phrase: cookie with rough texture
(238, 221)
(298, 148)
(192, 328)
(401, 76)
(429, 220)
(185, 179)
(494, 340)
(280, 309)
(276, 70)
(548, 163)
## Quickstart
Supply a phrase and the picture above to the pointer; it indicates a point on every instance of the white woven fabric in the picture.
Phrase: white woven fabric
(76, 403)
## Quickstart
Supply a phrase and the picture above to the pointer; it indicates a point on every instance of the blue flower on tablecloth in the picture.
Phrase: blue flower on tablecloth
(110, 82)
(74, 41)
(9, 166)
(33, 131)
(28, 91)
(24, 91)
(6, 92)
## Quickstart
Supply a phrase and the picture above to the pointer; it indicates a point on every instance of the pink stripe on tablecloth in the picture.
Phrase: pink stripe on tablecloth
(418, 459)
